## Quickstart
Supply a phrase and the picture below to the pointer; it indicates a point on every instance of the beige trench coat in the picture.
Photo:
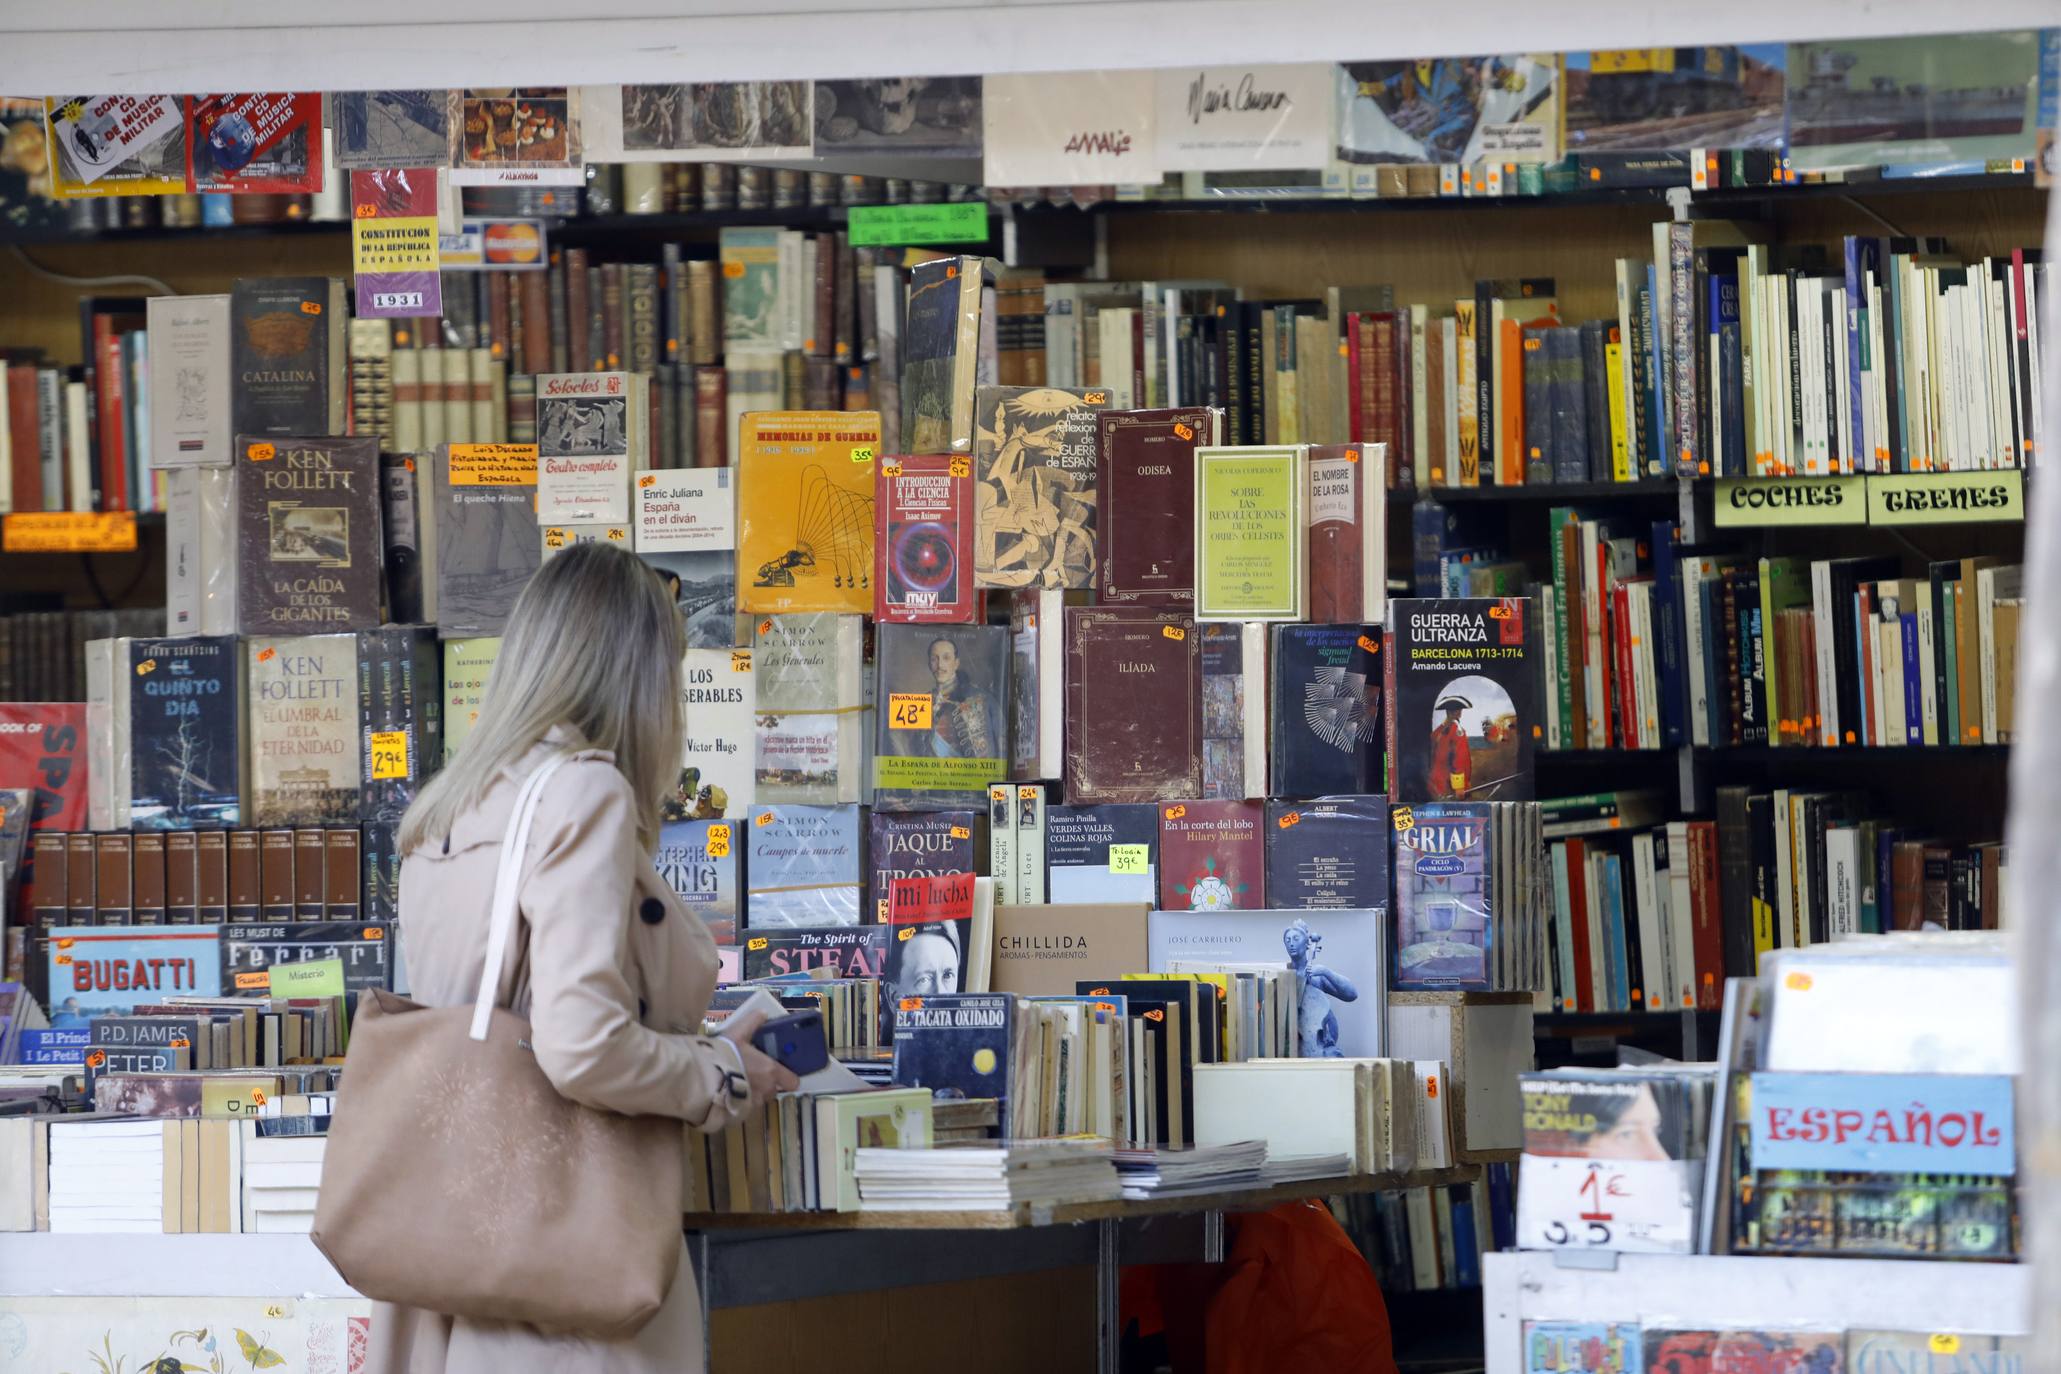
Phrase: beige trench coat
(615, 975)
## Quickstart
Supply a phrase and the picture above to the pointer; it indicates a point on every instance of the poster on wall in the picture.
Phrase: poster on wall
(380, 129)
(1968, 99)
(1213, 119)
(704, 121)
(258, 142)
(116, 145)
(394, 243)
(1450, 109)
(1068, 129)
(905, 116)
(1667, 100)
(517, 136)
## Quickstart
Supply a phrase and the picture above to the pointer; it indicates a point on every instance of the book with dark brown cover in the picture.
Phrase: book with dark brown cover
(595, 327)
(1145, 537)
(113, 880)
(309, 543)
(844, 345)
(275, 875)
(536, 323)
(1337, 544)
(46, 898)
(310, 857)
(711, 399)
(579, 314)
(244, 878)
(148, 882)
(559, 340)
(1212, 856)
(613, 319)
(822, 338)
(340, 874)
(498, 322)
(704, 315)
(80, 874)
(182, 876)
(644, 352)
(1133, 705)
(211, 876)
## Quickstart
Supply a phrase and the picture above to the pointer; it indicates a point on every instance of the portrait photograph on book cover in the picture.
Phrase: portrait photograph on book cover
(927, 958)
(1607, 1117)
(941, 695)
(927, 116)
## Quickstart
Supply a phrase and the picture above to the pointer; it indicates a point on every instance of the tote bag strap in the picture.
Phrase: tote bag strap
(507, 881)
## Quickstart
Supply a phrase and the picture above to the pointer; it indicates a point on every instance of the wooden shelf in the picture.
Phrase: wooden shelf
(1557, 493)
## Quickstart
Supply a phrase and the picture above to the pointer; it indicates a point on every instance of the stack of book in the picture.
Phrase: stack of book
(1149, 1171)
(997, 1178)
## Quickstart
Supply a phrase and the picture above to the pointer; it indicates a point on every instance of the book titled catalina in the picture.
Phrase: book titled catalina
(1462, 699)
(1443, 895)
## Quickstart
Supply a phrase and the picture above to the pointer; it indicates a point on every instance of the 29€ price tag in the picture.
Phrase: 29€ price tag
(1646, 1206)
(1130, 859)
(719, 842)
(389, 750)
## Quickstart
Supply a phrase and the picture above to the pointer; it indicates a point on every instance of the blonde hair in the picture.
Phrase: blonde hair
(594, 644)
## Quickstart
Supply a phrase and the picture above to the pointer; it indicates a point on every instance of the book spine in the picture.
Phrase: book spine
(1030, 845)
(1002, 859)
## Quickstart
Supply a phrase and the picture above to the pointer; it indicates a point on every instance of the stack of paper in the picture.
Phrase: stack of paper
(987, 1178)
(1165, 1171)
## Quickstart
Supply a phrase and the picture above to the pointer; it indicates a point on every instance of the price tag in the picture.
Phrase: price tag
(890, 467)
(247, 981)
(1130, 859)
(719, 842)
(1944, 1343)
(1292, 818)
(1370, 644)
(862, 453)
(69, 532)
(1174, 632)
(960, 467)
(908, 711)
(554, 537)
(493, 465)
(740, 660)
(734, 271)
(1640, 1205)
(267, 654)
(764, 818)
(1095, 398)
(146, 667)
(389, 754)
(1174, 813)
(757, 942)
(960, 832)
(1403, 819)
(1183, 432)
(649, 479)
(958, 221)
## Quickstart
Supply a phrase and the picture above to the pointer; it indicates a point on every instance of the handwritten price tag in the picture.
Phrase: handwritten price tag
(763, 819)
(1642, 1205)
(719, 842)
(960, 467)
(862, 453)
(1130, 859)
(1174, 813)
(1403, 819)
(69, 532)
(908, 711)
(740, 660)
(960, 832)
(389, 754)
(890, 467)
(1292, 818)
(757, 942)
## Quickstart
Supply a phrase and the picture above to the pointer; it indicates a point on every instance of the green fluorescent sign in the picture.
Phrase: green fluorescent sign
(959, 221)
(1750, 501)
(1941, 498)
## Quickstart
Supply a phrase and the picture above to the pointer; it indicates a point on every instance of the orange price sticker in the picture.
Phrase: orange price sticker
(1174, 632)
(247, 981)
(96, 1058)
(1183, 432)
(373, 933)
(1174, 813)
(890, 467)
(1292, 818)
(960, 832)
(1095, 398)
(734, 271)
(648, 479)
(311, 307)
(740, 660)
(261, 453)
(764, 818)
(765, 627)
(910, 1004)
(1369, 643)
(146, 667)
(904, 932)
(267, 654)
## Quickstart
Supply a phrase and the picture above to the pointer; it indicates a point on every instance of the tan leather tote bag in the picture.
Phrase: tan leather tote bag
(456, 1178)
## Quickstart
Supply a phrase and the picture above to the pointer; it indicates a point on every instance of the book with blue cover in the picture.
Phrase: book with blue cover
(186, 745)
(1106, 853)
(1581, 1348)
(97, 970)
(55, 1044)
(958, 1045)
(913, 845)
(699, 861)
(1331, 852)
(802, 867)
(1444, 902)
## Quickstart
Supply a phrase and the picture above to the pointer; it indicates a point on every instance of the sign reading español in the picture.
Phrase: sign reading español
(1752, 501)
(1884, 1123)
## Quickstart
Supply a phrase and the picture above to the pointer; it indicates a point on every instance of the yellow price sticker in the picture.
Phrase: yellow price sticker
(1174, 632)
(719, 842)
(908, 711)
(904, 932)
(1095, 398)
(764, 818)
(757, 942)
(1133, 859)
(740, 660)
(960, 467)
(890, 467)
(146, 667)
(1031, 793)
(554, 538)
(960, 832)
(389, 754)
(69, 532)
(862, 453)
(1403, 819)
(1944, 1343)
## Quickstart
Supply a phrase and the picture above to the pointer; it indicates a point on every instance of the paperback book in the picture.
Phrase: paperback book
(958, 1045)
(1337, 958)
(1249, 533)
(811, 724)
(1212, 856)
(308, 509)
(486, 535)
(1330, 852)
(940, 349)
(699, 861)
(1102, 854)
(1443, 895)
(1462, 698)
(1034, 461)
(186, 732)
(805, 493)
(584, 448)
(101, 970)
(304, 736)
(1325, 730)
(903, 847)
(923, 547)
(941, 715)
(802, 867)
(717, 767)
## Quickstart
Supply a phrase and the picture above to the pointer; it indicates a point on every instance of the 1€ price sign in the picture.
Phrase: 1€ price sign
(1575, 1203)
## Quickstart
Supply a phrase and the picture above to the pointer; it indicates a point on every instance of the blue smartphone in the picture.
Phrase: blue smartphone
(795, 1041)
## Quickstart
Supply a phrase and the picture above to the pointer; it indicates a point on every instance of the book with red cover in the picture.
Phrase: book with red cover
(24, 435)
(1582, 996)
(1706, 921)
(1133, 705)
(711, 402)
(1145, 539)
(1212, 856)
(923, 541)
(43, 747)
(1347, 511)
(104, 320)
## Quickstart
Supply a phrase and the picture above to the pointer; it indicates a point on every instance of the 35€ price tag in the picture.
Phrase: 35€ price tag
(389, 754)
(1130, 859)
(719, 842)
(908, 711)
(862, 453)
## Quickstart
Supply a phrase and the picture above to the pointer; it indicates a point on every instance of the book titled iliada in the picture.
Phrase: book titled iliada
(923, 546)
(1034, 458)
(1462, 699)
(941, 714)
(309, 511)
(1133, 705)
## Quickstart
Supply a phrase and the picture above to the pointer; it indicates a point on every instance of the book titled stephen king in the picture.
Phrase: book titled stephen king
(1348, 534)
(286, 356)
(308, 510)
(802, 867)
(1462, 699)
(1444, 895)
(584, 432)
(1324, 719)
(43, 745)
(813, 723)
(1145, 486)
(400, 716)
(1212, 856)
(941, 713)
(923, 540)
(925, 844)
(805, 492)
(940, 345)
(1034, 458)
(1331, 852)
(365, 949)
(958, 1045)
(1101, 853)
(486, 535)
(186, 724)
(686, 527)
(699, 859)
(1133, 705)
(303, 730)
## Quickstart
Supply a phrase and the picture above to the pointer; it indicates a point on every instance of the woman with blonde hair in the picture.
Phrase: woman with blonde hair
(612, 971)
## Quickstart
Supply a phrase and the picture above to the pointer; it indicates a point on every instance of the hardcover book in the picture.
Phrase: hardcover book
(303, 730)
(400, 508)
(1102, 854)
(1348, 535)
(846, 952)
(1324, 722)
(924, 845)
(467, 663)
(1034, 510)
(1145, 535)
(717, 692)
(1133, 706)
(698, 859)
(486, 535)
(940, 344)
(1037, 682)
(1212, 856)
(1331, 852)
(812, 723)
(1042, 951)
(1462, 699)
(941, 714)
(1234, 693)
(805, 489)
(102, 970)
(365, 948)
(1337, 957)
(286, 356)
(584, 433)
(400, 716)
(1445, 911)
(1249, 532)
(751, 287)
(802, 867)
(958, 1045)
(186, 732)
(189, 358)
(686, 527)
(923, 540)
(308, 510)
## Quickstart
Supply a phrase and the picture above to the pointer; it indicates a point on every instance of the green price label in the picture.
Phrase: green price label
(1130, 858)
(959, 221)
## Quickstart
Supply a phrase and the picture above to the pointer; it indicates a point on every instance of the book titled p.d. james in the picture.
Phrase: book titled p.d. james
(309, 514)
(1462, 699)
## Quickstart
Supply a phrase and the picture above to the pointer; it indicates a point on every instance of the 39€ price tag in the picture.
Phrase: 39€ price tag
(389, 749)
(1131, 859)
(719, 841)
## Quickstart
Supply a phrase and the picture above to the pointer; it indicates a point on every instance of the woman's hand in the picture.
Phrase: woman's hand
(768, 1075)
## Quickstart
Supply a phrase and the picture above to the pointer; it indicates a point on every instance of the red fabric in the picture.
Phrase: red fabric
(1451, 757)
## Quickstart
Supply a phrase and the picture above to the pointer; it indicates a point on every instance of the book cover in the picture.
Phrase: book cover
(43, 746)
(285, 356)
(1330, 852)
(751, 287)
(698, 860)
(400, 716)
(467, 662)
(686, 527)
(1034, 505)
(918, 845)
(1102, 853)
(401, 538)
(1212, 856)
(805, 489)
(1348, 535)
(810, 715)
(1337, 957)
(1462, 700)
(186, 754)
(365, 948)
(1324, 719)
(1145, 538)
(1224, 714)
(1444, 895)
(584, 430)
(303, 730)
(189, 361)
(1467, 110)
(98, 970)
(941, 714)
(1037, 696)
(1582, 1348)
(923, 540)
(848, 952)
(379, 129)
(717, 695)
(1133, 705)
(802, 867)
(1934, 1352)
(308, 510)
(958, 1045)
(940, 344)
(1045, 950)
(266, 143)
(1249, 531)
(486, 535)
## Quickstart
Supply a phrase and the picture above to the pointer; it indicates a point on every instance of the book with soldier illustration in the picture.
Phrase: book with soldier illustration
(1462, 699)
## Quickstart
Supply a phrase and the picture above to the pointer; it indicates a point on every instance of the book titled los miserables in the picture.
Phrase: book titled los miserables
(1133, 705)
(941, 714)
(308, 509)
(1325, 718)
(923, 546)
(1462, 699)
(1328, 853)
(186, 732)
(1145, 537)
